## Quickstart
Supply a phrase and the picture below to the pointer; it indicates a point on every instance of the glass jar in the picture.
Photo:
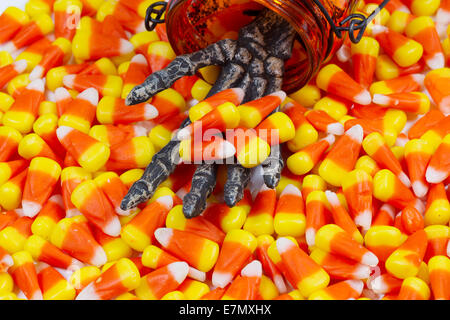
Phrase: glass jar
(194, 24)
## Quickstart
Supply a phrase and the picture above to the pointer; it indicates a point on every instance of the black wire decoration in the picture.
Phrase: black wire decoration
(153, 15)
(356, 22)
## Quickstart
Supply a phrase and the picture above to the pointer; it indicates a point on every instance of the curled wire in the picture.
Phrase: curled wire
(153, 15)
(356, 22)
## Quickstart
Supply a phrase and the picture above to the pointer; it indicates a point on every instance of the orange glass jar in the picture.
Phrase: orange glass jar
(194, 24)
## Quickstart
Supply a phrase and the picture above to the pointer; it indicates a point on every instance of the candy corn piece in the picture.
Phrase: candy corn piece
(383, 240)
(42, 250)
(251, 150)
(24, 111)
(405, 261)
(198, 225)
(54, 56)
(439, 166)
(334, 239)
(338, 267)
(95, 206)
(290, 219)
(344, 290)
(317, 214)
(55, 76)
(48, 217)
(25, 276)
(253, 112)
(305, 133)
(161, 134)
(66, 14)
(11, 21)
(112, 110)
(342, 156)
(199, 252)
(364, 57)
(322, 121)
(123, 276)
(88, 152)
(437, 236)
(260, 218)
(437, 210)
(14, 236)
(404, 51)
(114, 189)
(71, 177)
(439, 268)
(32, 146)
(418, 154)
(388, 188)
(37, 28)
(269, 267)
(334, 80)
(106, 85)
(246, 285)
(384, 284)
(357, 188)
(237, 247)
(134, 153)
(304, 160)
(415, 102)
(54, 286)
(12, 190)
(437, 83)
(9, 142)
(307, 275)
(41, 178)
(375, 146)
(159, 55)
(7, 218)
(10, 169)
(225, 116)
(408, 83)
(74, 237)
(156, 284)
(341, 217)
(414, 288)
(137, 72)
(100, 45)
(11, 71)
(138, 233)
(423, 30)
(127, 17)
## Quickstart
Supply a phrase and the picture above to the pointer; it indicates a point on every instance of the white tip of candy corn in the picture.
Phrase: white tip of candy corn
(362, 272)
(37, 85)
(90, 95)
(420, 189)
(70, 213)
(150, 112)
(225, 150)
(113, 227)
(344, 53)
(279, 283)
(284, 244)
(404, 179)
(357, 285)
(121, 212)
(139, 59)
(69, 80)
(5, 262)
(125, 47)
(99, 257)
(9, 46)
(356, 133)
(332, 198)
(434, 175)
(330, 139)
(36, 73)
(179, 270)
(418, 78)
(61, 93)
(166, 201)
(380, 99)
(377, 29)
(364, 219)
(30, 208)
(185, 133)
(20, 66)
(221, 279)
(280, 94)
(436, 62)
(310, 236)
(336, 128)
(292, 190)
(240, 93)
(364, 98)
(196, 274)
(88, 293)
(378, 285)
(163, 235)
(369, 259)
(62, 132)
(253, 269)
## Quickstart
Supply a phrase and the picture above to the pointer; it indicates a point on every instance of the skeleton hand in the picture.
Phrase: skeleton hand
(255, 63)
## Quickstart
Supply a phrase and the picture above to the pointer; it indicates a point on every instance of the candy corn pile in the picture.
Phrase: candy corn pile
(361, 211)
